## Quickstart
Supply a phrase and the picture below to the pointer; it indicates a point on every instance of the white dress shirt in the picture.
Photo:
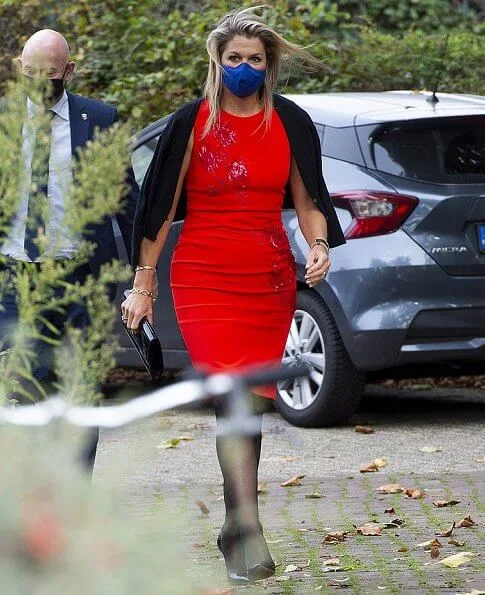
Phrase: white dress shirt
(61, 243)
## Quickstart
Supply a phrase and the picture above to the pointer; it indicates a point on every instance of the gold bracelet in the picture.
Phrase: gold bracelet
(146, 292)
(144, 267)
(321, 242)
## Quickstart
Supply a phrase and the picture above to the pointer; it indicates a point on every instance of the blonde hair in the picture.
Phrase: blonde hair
(278, 50)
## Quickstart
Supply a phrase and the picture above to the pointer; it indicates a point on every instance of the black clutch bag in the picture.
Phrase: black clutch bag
(148, 346)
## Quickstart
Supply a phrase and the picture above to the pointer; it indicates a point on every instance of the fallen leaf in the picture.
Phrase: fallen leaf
(331, 562)
(294, 481)
(480, 460)
(370, 468)
(315, 495)
(390, 511)
(381, 462)
(390, 488)
(448, 532)
(274, 541)
(282, 579)
(430, 544)
(443, 503)
(198, 546)
(429, 449)
(403, 548)
(466, 522)
(369, 529)
(414, 493)
(435, 552)
(398, 522)
(262, 487)
(292, 568)
(364, 430)
(174, 442)
(394, 523)
(456, 543)
(202, 507)
(457, 559)
(335, 536)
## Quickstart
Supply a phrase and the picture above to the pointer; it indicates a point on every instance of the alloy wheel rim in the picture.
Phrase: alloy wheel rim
(304, 345)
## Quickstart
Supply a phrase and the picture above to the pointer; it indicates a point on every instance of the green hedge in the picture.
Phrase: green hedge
(147, 59)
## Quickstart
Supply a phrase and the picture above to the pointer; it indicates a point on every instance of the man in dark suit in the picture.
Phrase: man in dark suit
(73, 120)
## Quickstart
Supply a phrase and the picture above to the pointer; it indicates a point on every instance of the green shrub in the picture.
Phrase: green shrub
(147, 59)
(84, 359)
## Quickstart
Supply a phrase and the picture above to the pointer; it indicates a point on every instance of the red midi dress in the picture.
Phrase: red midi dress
(233, 275)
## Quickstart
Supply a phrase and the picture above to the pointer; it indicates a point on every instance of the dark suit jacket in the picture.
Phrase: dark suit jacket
(158, 189)
(85, 116)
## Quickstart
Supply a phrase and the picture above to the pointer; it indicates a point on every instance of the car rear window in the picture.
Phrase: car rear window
(445, 150)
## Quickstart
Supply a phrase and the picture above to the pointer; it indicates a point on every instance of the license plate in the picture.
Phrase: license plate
(481, 237)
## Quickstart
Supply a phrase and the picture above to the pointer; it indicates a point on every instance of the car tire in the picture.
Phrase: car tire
(336, 386)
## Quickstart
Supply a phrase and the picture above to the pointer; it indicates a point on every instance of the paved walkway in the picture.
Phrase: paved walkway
(297, 526)
(333, 497)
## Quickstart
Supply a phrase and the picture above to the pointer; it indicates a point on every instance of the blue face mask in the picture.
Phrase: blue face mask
(243, 80)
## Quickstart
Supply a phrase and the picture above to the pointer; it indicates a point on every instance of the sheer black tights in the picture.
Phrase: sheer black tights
(239, 460)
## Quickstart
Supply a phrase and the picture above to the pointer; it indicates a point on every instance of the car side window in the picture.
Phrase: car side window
(342, 143)
(142, 157)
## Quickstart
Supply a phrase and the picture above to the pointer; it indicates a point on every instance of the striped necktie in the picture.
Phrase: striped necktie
(36, 211)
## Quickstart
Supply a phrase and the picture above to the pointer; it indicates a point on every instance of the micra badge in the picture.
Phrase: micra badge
(84, 116)
(449, 250)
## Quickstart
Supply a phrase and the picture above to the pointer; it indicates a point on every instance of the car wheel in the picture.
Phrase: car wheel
(332, 391)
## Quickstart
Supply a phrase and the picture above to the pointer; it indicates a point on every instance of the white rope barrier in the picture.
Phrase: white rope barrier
(176, 395)
(112, 416)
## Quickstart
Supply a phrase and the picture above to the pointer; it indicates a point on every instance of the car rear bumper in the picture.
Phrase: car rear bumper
(386, 348)
(403, 309)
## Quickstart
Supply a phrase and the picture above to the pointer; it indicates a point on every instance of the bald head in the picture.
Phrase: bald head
(46, 53)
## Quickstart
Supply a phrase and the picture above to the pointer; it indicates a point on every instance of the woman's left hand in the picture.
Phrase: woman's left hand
(317, 265)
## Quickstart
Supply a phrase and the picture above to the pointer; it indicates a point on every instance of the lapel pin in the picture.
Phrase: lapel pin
(84, 116)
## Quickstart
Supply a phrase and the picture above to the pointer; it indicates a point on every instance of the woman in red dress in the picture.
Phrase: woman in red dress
(233, 275)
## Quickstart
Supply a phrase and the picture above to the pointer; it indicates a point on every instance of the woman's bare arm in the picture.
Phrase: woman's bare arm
(138, 306)
(313, 224)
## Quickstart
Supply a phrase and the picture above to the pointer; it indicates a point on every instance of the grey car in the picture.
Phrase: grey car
(407, 177)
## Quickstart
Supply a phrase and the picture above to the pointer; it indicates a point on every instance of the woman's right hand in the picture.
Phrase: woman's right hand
(134, 308)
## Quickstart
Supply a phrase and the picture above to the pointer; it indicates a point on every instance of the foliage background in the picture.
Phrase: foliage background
(148, 56)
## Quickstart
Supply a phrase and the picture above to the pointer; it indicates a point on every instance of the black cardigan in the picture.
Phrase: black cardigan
(158, 189)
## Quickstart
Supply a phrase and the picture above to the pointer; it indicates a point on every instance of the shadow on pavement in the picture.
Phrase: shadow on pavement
(426, 406)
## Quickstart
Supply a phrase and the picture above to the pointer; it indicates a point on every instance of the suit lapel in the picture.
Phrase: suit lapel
(80, 123)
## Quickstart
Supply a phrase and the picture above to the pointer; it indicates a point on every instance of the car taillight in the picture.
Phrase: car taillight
(374, 212)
